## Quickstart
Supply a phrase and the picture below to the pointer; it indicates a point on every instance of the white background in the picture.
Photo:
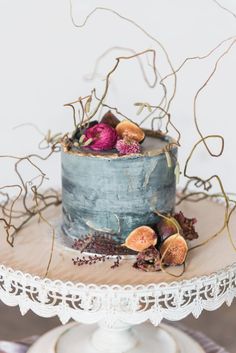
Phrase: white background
(44, 61)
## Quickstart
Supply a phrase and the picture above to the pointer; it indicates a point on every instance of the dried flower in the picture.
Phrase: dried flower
(103, 137)
(148, 260)
(187, 226)
(127, 146)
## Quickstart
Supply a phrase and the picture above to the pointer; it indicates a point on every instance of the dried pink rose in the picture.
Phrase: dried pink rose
(103, 137)
(127, 146)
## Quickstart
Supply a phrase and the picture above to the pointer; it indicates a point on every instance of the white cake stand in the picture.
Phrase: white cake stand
(128, 305)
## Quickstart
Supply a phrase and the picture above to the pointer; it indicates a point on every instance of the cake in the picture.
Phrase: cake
(106, 192)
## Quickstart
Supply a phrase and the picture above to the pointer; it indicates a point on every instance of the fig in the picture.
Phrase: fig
(167, 227)
(110, 119)
(141, 238)
(148, 260)
(130, 130)
(174, 250)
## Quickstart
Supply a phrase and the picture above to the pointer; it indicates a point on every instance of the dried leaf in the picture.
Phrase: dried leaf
(148, 107)
(177, 173)
(88, 142)
(81, 140)
(140, 109)
(48, 136)
(142, 106)
(88, 105)
(168, 159)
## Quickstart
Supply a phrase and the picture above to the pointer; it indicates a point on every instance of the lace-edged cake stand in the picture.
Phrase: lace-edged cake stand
(126, 303)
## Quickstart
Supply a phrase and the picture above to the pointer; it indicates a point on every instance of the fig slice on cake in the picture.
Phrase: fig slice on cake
(128, 129)
(141, 238)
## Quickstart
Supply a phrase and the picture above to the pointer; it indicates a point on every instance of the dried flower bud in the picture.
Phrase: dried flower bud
(103, 137)
(127, 146)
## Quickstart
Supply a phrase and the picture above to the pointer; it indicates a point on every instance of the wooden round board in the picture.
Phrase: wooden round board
(31, 252)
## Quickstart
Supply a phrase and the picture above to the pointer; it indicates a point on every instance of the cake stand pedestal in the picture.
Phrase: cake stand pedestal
(117, 310)
(76, 338)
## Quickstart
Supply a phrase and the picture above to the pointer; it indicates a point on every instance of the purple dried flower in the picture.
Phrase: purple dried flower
(127, 146)
(103, 137)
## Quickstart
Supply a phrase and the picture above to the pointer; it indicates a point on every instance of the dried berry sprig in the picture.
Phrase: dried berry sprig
(99, 243)
(116, 262)
(92, 260)
(89, 260)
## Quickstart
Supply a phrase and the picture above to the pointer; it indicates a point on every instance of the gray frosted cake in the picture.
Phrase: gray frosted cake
(112, 184)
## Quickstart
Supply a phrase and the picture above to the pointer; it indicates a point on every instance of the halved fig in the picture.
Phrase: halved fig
(110, 119)
(174, 250)
(131, 130)
(141, 238)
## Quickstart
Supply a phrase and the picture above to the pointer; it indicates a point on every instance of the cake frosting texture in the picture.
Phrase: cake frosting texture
(114, 195)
